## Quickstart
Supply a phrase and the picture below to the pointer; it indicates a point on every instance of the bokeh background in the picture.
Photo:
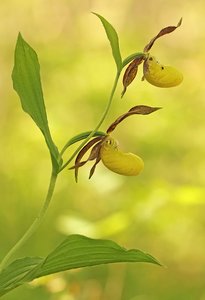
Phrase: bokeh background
(163, 210)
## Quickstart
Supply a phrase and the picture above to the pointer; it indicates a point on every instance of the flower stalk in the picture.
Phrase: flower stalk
(97, 126)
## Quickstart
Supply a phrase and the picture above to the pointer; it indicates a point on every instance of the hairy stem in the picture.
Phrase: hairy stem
(97, 126)
(34, 226)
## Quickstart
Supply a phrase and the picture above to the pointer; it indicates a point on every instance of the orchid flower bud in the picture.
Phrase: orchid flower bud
(127, 164)
(160, 75)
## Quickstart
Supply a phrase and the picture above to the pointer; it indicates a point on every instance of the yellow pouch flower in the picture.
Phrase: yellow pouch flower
(160, 75)
(127, 164)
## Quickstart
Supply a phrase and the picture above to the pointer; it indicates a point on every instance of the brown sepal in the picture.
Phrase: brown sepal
(78, 162)
(162, 32)
(139, 110)
(98, 159)
(131, 72)
(143, 109)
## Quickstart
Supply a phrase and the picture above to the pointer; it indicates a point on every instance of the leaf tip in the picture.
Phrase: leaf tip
(96, 14)
(20, 37)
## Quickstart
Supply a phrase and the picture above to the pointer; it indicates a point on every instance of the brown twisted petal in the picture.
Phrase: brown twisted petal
(131, 72)
(162, 32)
(92, 156)
(139, 110)
(98, 159)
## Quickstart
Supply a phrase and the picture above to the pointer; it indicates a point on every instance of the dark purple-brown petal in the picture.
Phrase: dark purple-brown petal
(139, 110)
(131, 72)
(82, 152)
(92, 170)
(143, 109)
(162, 32)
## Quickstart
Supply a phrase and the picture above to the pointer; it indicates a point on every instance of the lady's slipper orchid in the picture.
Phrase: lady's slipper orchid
(155, 73)
(105, 148)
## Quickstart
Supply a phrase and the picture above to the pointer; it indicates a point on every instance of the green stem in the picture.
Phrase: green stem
(34, 226)
(98, 125)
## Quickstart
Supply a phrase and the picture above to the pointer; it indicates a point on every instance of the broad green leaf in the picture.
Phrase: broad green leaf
(27, 83)
(114, 41)
(13, 275)
(78, 251)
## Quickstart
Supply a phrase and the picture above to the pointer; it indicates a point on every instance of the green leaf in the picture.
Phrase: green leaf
(78, 251)
(80, 137)
(114, 41)
(13, 275)
(131, 57)
(27, 83)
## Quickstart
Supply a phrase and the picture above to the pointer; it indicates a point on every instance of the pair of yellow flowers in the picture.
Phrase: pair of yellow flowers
(106, 148)
(130, 164)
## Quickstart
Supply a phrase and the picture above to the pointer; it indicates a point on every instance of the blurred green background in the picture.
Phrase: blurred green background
(162, 210)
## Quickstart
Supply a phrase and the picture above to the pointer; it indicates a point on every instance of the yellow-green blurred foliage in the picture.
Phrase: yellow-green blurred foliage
(162, 210)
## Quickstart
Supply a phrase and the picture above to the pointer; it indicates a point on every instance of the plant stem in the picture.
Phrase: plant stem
(34, 226)
(97, 126)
